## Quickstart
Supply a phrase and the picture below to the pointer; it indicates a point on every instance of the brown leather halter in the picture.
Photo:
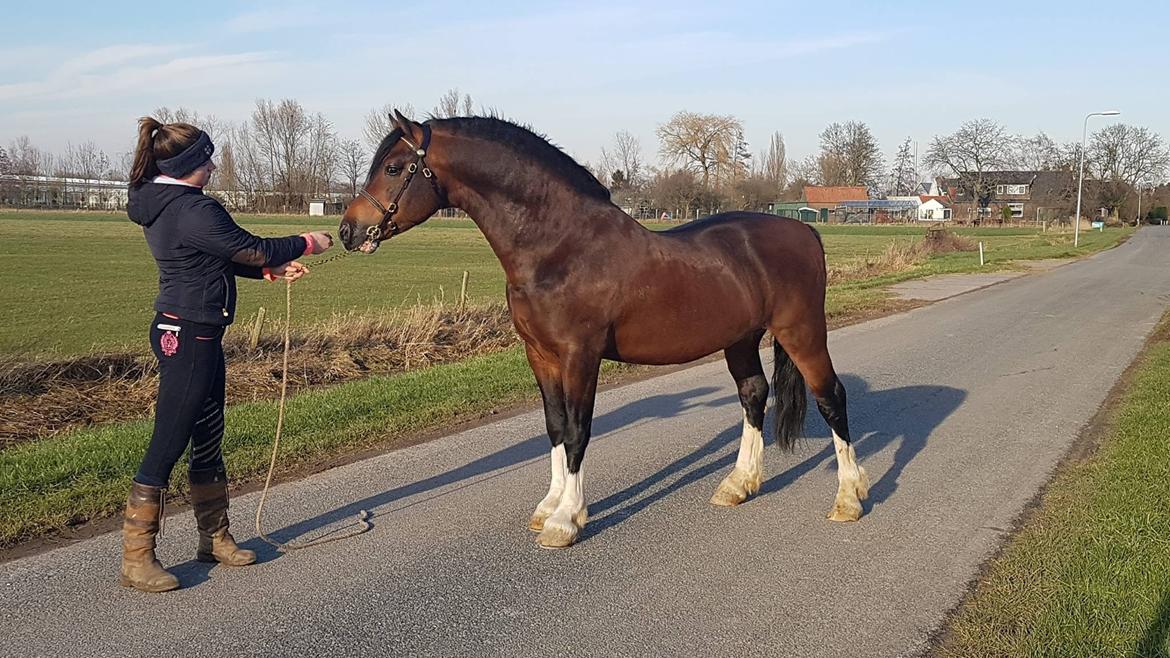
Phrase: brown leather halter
(378, 231)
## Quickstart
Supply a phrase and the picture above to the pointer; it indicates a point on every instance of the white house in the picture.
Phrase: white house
(933, 210)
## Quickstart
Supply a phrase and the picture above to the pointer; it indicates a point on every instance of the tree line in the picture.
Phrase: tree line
(282, 155)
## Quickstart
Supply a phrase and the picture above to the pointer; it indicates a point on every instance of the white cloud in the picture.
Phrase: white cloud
(120, 68)
(112, 56)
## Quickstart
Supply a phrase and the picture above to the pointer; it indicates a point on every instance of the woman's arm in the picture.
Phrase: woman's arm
(215, 232)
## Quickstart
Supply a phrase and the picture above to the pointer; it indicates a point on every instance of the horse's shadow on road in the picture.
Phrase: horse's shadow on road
(470, 474)
(905, 416)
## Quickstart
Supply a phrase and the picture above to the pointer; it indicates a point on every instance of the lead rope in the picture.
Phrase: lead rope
(362, 523)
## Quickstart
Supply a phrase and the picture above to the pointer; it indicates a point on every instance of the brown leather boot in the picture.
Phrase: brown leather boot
(140, 525)
(209, 498)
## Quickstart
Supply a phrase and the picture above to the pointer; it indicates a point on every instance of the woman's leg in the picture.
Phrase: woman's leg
(209, 483)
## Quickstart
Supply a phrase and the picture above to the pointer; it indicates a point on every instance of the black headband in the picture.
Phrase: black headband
(190, 159)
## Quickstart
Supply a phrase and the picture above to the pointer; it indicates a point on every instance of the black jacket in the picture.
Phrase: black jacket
(200, 250)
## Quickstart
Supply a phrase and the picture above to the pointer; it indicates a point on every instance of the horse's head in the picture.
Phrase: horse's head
(400, 192)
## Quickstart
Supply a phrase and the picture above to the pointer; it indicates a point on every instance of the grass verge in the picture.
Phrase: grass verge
(1089, 572)
(83, 475)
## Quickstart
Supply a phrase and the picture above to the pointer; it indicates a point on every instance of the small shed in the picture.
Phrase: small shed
(796, 210)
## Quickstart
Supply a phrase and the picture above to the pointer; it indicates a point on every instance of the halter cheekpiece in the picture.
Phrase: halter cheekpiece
(387, 227)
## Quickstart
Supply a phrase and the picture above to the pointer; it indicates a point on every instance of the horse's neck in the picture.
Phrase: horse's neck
(526, 224)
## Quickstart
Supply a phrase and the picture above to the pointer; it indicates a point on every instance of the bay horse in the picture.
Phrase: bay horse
(586, 282)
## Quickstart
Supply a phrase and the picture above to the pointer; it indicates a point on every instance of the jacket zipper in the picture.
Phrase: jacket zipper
(227, 291)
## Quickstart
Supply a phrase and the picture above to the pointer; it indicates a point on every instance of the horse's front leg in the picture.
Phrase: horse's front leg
(547, 370)
(579, 383)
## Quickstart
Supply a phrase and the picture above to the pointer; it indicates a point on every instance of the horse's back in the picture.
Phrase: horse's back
(771, 236)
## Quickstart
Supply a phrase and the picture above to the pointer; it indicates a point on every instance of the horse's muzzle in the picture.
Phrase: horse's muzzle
(351, 236)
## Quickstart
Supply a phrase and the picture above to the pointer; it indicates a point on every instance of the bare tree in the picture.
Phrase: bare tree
(321, 167)
(378, 125)
(677, 192)
(285, 151)
(450, 103)
(207, 123)
(976, 148)
(774, 162)
(1039, 153)
(626, 157)
(801, 173)
(27, 159)
(702, 143)
(753, 192)
(904, 172)
(1129, 154)
(850, 155)
(5, 163)
(352, 163)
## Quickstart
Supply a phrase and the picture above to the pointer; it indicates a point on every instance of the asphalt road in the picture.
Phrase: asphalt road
(960, 412)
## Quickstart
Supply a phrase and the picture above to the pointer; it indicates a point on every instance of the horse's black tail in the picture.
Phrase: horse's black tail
(791, 403)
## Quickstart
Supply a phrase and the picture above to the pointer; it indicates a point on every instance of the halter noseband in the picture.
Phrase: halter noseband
(378, 231)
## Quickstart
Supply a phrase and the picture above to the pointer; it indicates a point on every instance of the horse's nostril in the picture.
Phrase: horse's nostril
(345, 231)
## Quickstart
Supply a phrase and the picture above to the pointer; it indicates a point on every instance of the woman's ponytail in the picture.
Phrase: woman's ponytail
(144, 167)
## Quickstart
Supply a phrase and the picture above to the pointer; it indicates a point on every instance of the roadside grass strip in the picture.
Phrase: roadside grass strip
(1089, 572)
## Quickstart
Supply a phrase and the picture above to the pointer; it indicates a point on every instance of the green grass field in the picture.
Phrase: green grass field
(73, 283)
(1089, 574)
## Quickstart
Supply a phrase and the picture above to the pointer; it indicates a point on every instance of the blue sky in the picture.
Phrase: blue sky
(579, 72)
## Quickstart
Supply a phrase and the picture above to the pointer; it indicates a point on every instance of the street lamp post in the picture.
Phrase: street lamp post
(1081, 175)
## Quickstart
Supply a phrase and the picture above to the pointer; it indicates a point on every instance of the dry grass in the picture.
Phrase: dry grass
(900, 256)
(44, 398)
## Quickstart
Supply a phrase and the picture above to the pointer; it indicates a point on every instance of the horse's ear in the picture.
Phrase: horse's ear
(409, 128)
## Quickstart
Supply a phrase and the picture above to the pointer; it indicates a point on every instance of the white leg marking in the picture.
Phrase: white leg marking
(561, 528)
(751, 450)
(745, 478)
(852, 483)
(556, 485)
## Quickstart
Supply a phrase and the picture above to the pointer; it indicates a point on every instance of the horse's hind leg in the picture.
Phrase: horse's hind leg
(743, 360)
(808, 350)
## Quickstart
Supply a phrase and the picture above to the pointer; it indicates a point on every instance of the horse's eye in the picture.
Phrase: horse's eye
(393, 170)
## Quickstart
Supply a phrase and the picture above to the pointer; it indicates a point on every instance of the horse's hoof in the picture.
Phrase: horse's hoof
(845, 509)
(735, 488)
(536, 523)
(555, 534)
(728, 497)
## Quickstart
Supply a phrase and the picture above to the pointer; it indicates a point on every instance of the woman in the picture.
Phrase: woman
(200, 251)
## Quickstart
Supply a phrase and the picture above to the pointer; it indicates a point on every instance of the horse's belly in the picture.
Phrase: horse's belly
(676, 340)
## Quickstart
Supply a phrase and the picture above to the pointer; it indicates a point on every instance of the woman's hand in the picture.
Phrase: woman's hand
(318, 242)
(290, 271)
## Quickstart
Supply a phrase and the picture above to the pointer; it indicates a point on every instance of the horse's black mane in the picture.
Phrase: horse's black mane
(518, 138)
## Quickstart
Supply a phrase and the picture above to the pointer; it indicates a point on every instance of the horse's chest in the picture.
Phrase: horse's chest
(529, 313)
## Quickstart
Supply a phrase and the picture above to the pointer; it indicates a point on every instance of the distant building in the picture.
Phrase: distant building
(818, 203)
(62, 192)
(1027, 195)
(829, 198)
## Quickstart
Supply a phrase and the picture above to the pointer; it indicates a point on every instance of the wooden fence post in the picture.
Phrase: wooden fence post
(257, 327)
